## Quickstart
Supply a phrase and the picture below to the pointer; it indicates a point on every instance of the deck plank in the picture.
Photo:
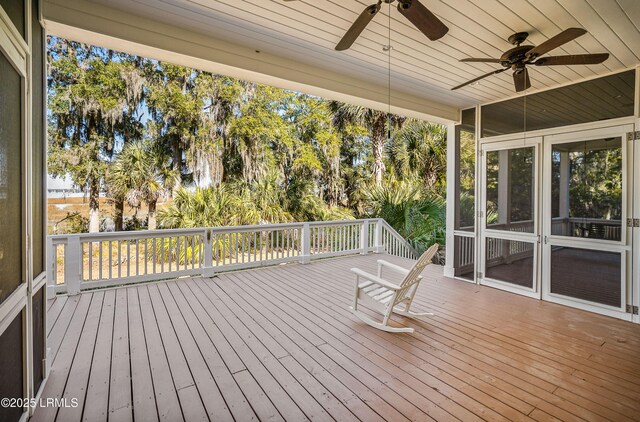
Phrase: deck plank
(96, 406)
(78, 380)
(285, 405)
(120, 398)
(246, 328)
(190, 401)
(143, 397)
(164, 389)
(279, 343)
(233, 396)
(54, 307)
(59, 374)
(214, 404)
(302, 349)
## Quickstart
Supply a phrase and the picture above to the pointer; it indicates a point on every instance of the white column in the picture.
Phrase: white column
(451, 198)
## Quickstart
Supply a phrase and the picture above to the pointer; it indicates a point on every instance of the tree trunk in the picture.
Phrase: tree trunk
(94, 207)
(118, 219)
(152, 222)
(378, 139)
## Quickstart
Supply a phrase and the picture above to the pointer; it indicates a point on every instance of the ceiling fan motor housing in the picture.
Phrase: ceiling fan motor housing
(516, 55)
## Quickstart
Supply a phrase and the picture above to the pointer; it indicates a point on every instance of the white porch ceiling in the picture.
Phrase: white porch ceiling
(305, 32)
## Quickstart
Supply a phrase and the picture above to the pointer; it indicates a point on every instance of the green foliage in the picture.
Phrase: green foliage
(419, 150)
(417, 214)
(230, 152)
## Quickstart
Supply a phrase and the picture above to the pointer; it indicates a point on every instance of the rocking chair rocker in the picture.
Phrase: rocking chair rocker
(384, 296)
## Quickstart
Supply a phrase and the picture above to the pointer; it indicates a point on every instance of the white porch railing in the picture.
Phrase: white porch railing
(78, 262)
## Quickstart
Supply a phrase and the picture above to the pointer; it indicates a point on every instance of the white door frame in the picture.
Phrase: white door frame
(536, 143)
(623, 247)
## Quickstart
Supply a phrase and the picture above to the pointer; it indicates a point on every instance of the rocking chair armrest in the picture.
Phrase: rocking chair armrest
(394, 267)
(375, 279)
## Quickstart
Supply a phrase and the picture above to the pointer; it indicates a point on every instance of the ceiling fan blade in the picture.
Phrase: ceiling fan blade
(479, 77)
(423, 19)
(556, 41)
(521, 80)
(357, 27)
(573, 59)
(480, 60)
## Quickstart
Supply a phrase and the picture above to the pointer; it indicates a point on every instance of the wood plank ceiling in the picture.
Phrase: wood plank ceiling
(307, 31)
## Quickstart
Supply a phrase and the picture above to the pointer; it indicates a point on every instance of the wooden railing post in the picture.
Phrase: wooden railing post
(364, 237)
(305, 258)
(378, 247)
(208, 269)
(73, 265)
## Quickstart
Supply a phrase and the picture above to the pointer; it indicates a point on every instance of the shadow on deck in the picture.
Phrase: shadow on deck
(279, 343)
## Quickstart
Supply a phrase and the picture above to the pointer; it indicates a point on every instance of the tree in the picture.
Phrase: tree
(87, 96)
(378, 125)
(256, 154)
(417, 214)
(419, 149)
(139, 174)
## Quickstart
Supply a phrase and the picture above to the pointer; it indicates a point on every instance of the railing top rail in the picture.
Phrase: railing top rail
(87, 237)
(125, 234)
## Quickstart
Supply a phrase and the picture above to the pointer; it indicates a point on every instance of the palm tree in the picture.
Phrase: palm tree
(204, 207)
(418, 215)
(378, 125)
(419, 149)
(139, 175)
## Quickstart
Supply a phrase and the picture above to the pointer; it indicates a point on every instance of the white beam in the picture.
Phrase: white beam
(105, 26)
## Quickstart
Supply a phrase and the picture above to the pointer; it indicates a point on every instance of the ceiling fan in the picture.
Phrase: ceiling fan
(520, 56)
(413, 10)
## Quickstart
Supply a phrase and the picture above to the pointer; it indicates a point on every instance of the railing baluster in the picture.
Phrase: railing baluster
(100, 260)
(137, 256)
(90, 247)
(243, 248)
(128, 258)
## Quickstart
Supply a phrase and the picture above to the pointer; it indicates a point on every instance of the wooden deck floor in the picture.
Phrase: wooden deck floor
(280, 344)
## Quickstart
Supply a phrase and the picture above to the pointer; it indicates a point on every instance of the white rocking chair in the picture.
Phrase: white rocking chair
(384, 296)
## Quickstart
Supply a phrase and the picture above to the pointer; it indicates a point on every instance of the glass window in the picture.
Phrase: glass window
(586, 274)
(510, 261)
(10, 179)
(590, 101)
(511, 189)
(466, 181)
(586, 189)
